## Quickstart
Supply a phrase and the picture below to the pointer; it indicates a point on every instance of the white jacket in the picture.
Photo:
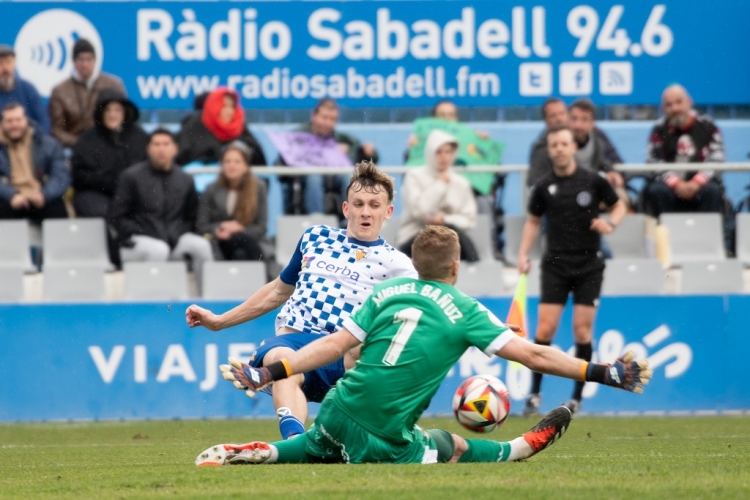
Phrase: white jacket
(424, 194)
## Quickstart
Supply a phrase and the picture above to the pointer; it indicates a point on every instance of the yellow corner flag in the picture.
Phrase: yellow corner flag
(517, 313)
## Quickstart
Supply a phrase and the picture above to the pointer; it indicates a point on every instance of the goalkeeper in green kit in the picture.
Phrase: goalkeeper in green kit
(412, 332)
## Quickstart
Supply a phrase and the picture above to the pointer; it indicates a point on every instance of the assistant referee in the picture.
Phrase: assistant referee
(569, 197)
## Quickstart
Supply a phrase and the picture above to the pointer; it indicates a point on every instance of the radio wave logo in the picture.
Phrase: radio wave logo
(44, 47)
(616, 78)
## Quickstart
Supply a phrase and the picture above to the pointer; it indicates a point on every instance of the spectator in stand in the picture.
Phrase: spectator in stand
(447, 110)
(323, 121)
(233, 210)
(436, 195)
(221, 121)
(15, 89)
(104, 151)
(72, 103)
(684, 136)
(592, 147)
(555, 113)
(155, 206)
(33, 173)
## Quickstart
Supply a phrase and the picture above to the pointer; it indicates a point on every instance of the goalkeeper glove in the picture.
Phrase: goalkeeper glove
(624, 373)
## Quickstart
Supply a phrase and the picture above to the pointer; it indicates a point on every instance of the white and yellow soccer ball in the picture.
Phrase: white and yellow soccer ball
(481, 403)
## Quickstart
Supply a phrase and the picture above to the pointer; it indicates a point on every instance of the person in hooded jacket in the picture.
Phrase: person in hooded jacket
(221, 121)
(436, 195)
(104, 151)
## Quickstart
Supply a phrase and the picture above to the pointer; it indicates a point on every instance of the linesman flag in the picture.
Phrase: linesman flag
(517, 313)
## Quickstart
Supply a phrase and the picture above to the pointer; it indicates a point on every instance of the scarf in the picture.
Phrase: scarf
(585, 155)
(22, 176)
(224, 131)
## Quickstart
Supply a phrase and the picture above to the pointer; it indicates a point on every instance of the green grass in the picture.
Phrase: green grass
(599, 457)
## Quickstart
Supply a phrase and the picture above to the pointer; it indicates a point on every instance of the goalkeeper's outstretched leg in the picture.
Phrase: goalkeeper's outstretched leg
(545, 433)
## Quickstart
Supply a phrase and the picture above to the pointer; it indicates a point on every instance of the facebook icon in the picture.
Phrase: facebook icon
(576, 78)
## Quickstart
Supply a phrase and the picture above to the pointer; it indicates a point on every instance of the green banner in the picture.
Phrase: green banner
(472, 149)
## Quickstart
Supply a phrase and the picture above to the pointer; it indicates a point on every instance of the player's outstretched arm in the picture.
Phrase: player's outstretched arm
(265, 300)
(624, 373)
(321, 352)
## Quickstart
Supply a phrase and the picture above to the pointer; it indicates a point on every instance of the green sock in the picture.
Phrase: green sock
(484, 450)
(291, 451)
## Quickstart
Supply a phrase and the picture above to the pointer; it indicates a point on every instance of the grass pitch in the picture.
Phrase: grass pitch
(598, 457)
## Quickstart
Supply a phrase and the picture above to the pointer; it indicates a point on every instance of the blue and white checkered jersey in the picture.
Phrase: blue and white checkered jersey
(333, 275)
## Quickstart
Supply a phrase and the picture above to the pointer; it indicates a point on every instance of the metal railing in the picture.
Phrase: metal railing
(521, 168)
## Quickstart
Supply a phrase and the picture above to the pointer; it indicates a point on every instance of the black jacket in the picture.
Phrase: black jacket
(212, 210)
(154, 203)
(197, 143)
(101, 155)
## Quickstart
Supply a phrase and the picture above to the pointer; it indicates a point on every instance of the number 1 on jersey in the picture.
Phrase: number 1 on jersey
(408, 318)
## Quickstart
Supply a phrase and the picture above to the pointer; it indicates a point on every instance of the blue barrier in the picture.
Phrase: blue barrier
(123, 361)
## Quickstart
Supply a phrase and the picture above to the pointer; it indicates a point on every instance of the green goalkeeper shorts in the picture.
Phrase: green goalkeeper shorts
(334, 435)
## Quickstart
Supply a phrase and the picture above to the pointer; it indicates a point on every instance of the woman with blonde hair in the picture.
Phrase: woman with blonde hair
(233, 210)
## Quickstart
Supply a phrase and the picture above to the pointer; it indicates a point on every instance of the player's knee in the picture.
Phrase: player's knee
(277, 354)
(582, 333)
(459, 448)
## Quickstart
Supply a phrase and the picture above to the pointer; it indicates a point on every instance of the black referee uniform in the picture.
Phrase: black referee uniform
(572, 262)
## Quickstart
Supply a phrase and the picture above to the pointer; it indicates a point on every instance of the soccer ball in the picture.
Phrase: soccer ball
(481, 403)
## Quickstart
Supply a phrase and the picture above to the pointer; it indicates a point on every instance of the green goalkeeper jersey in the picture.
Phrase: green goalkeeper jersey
(413, 332)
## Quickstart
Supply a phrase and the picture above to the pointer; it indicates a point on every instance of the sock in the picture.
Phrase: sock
(289, 451)
(484, 450)
(289, 425)
(583, 351)
(536, 378)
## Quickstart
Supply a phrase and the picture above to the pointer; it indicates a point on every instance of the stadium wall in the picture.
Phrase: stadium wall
(140, 361)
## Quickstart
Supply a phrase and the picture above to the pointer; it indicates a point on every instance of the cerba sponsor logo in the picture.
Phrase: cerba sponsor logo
(333, 269)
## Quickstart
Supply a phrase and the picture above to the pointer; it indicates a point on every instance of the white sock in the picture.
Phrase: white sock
(519, 449)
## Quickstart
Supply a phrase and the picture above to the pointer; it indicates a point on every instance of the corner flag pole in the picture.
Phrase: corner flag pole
(517, 313)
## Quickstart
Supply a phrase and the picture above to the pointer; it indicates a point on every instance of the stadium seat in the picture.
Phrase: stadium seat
(710, 278)
(11, 284)
(694, 237)
(289, 229)
(232, 279)
(73, 284)
(481, 235)
(633, 277)
(481, 279)
(743, 238)
(75, 243)
(155, 281)
(513, 229)
(390, 230)
(628, 241)
(14, 245)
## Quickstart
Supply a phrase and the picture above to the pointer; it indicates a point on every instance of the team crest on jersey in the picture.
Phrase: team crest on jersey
(360, 254)
(306, 261)
(584, 199)
(552, 189)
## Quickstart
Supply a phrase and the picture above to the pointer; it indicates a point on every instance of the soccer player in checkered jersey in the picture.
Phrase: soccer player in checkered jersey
(329, 277)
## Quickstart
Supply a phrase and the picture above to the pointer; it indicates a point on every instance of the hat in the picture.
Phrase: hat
(6, 50)
(82, 45)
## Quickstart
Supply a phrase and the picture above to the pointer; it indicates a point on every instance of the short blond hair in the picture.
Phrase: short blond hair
(367, 176)
(433, 252)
